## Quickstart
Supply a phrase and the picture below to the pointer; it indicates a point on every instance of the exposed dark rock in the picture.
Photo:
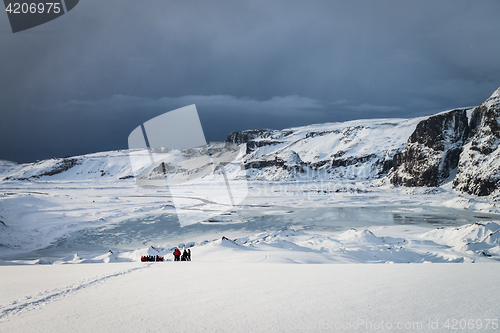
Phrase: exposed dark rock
(342, 162)
(64, 165)
(397, 160)
(320, 133)
(338, 154)
(289, 161)
(265, 137)
(245, 136)
(432, 151)
(253, 145)
(479, 167)
(387, 165)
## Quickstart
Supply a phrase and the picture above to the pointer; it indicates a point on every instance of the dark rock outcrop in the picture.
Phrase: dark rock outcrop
(432, 151)
(479, 168)
(253, 145)
(245, 136)
(64, 165)
(257, 138)
(289, 161)
(342, 162)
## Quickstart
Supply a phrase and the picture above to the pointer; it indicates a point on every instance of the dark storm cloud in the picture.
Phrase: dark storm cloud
(80, 83)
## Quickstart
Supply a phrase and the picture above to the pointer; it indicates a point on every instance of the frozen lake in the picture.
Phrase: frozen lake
(165, 228)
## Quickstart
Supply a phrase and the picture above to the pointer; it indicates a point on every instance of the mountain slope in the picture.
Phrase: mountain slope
(479, 167)
(354, 150)
(114, 164)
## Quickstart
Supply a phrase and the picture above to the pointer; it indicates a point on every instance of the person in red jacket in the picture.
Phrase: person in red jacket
(177, 255)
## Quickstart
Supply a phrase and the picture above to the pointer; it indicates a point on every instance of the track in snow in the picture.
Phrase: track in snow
(37, 301)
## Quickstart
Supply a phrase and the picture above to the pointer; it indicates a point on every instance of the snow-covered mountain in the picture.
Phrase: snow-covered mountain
(115, 164)
(479, 167)
(353, 150)
(424, 151)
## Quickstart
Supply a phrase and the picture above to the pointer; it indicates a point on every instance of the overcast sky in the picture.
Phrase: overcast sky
(83, 82)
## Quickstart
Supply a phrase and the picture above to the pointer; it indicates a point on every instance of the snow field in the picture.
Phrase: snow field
(236, 297)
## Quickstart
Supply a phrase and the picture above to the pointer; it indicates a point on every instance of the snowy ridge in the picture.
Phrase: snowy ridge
(360, 149)
(314, 167)
(494, 99)
(112, 164)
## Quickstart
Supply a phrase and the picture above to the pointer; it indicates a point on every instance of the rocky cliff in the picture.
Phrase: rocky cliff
(432, 151)
(479, 167)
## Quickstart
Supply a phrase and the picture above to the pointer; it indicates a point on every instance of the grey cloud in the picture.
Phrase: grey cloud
(374, 108)
(329, 60)
(278, 104)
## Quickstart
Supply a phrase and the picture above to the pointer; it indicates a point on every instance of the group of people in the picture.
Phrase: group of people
(184, 256)
(152, 258)
(178, 256)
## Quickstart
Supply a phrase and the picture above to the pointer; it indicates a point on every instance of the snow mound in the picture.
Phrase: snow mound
(105, 258)
(224, 242)
(477, 237)
(355, 236)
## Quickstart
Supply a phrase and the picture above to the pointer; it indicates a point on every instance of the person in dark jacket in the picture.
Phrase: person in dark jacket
(177, 255)
(189, 255)
(185, 256)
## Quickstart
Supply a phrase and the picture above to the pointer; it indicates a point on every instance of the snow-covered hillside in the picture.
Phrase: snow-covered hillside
(115, 164)
(354, 150)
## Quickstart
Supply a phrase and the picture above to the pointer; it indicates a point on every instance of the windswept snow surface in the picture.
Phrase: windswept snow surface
(221, 297)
